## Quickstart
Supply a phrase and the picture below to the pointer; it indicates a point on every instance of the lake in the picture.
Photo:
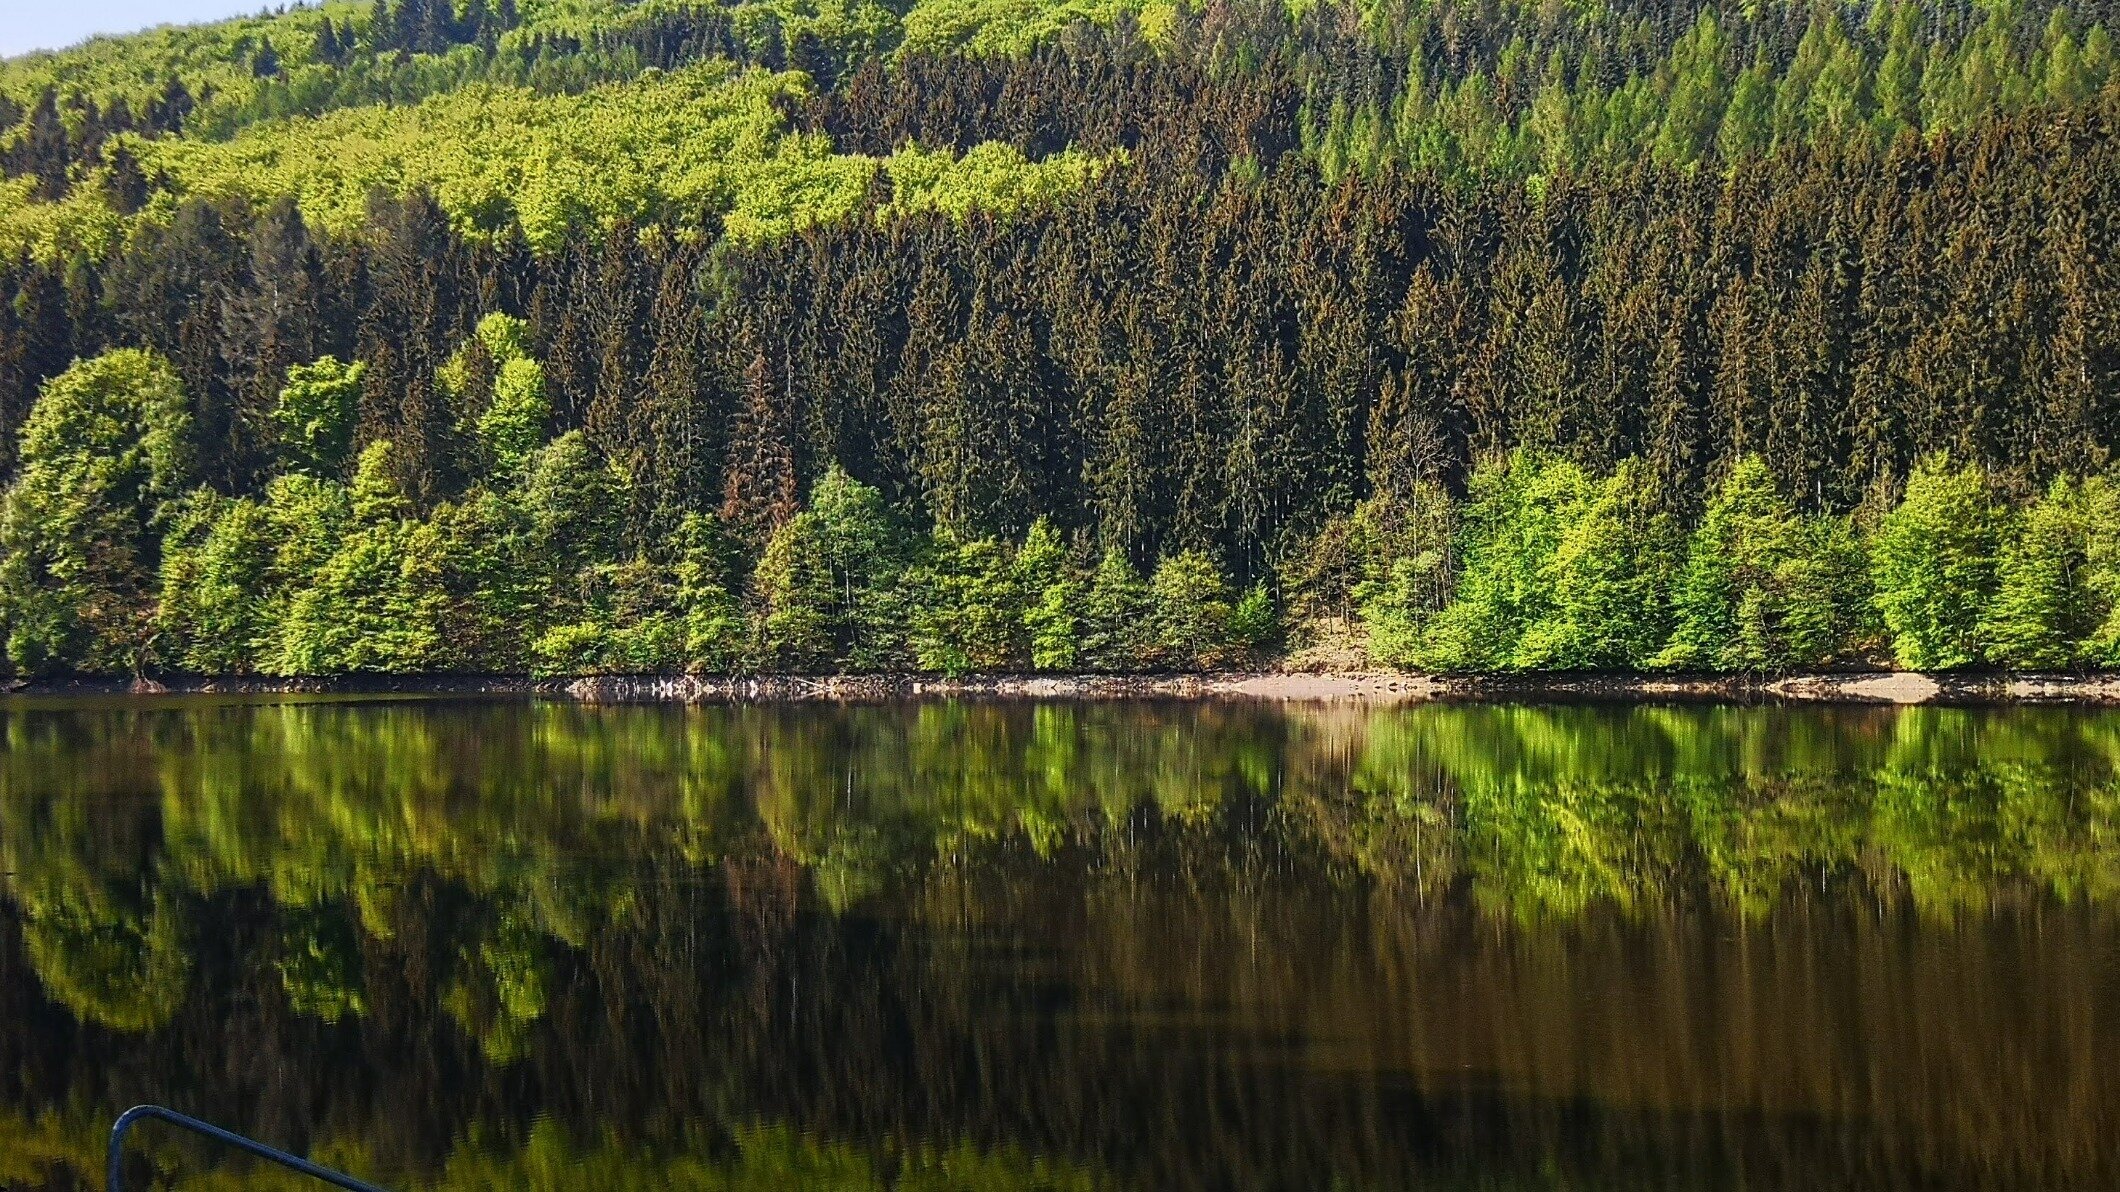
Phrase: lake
(499, 944)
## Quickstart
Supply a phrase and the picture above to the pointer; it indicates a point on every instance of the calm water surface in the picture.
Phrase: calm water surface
(967, 945)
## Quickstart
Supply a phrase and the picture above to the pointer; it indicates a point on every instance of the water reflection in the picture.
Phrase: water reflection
(1004, 945)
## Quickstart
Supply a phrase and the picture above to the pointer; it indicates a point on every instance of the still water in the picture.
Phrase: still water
(967, 945)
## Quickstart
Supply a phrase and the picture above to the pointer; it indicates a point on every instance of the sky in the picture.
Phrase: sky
(27, 25)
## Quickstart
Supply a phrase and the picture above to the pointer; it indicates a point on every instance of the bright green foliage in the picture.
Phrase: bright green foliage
(992, 177)
(1933, 562)
(829, 581)
(1709, 93)
(1254, 622)
(377, 602)
(1002, 26)
(517, 409)
(2101, 504)
(1116, 618)
(628, 628)
(1053, 595)
(1190, 605)
(1512, 529)
(675, 150)
(644, 616)
(1559, 571)
(966, 607)
(1609, 581)
(312, 516)
(1694, 107)
(216, 614)
(498, 596)
(316, 414)
(798, 597)
(1763, 589)
(661, 149)
(866, 553)
(103, 454)
(82, 222)
(570, 499)
(2045, 610)
(1826, 608)
(215, 61)
(713, 618)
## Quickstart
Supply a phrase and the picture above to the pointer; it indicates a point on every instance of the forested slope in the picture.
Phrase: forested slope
(996, 334)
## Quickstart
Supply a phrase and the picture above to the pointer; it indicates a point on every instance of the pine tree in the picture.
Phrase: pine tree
(759, 489)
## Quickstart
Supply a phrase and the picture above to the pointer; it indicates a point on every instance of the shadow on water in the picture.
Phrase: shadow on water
(518, 944)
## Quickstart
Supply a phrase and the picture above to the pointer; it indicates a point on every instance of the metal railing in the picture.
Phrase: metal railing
(115, 1176)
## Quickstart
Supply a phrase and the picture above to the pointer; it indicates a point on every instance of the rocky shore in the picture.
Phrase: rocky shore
(1876, 687)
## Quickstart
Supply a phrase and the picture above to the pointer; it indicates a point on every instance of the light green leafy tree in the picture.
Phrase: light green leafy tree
(1518, 512)
(378, 603)
(1933, 563)
(216, 582)
(966, 606)
(1053, 594)
(315, 415)
(798, 597)
(104, 453)
(1116, 626)
(2045, 609)
(829, 581)
(1763, 589)
(495, 372)
(1608, 581)
(2101, 502)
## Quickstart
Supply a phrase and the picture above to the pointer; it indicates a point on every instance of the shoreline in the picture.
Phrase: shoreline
(1370, 687)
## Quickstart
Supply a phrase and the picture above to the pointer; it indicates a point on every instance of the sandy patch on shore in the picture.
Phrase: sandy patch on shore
(1899, 687)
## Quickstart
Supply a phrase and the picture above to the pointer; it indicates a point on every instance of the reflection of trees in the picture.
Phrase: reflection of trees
(1552, 809)
(1099, 933)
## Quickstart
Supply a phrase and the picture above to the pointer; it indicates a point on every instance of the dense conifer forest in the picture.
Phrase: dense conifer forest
(975, 335)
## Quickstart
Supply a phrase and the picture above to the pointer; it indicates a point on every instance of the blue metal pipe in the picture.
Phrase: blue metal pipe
(115, 1175)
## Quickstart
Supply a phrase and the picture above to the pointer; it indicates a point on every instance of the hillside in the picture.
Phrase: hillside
(975, 335)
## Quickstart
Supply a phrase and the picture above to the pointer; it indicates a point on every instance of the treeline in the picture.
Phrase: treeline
(109, 562)
(1190, 356)
(1548, 567)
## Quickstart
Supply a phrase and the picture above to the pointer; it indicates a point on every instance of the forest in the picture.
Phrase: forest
(592, 336)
